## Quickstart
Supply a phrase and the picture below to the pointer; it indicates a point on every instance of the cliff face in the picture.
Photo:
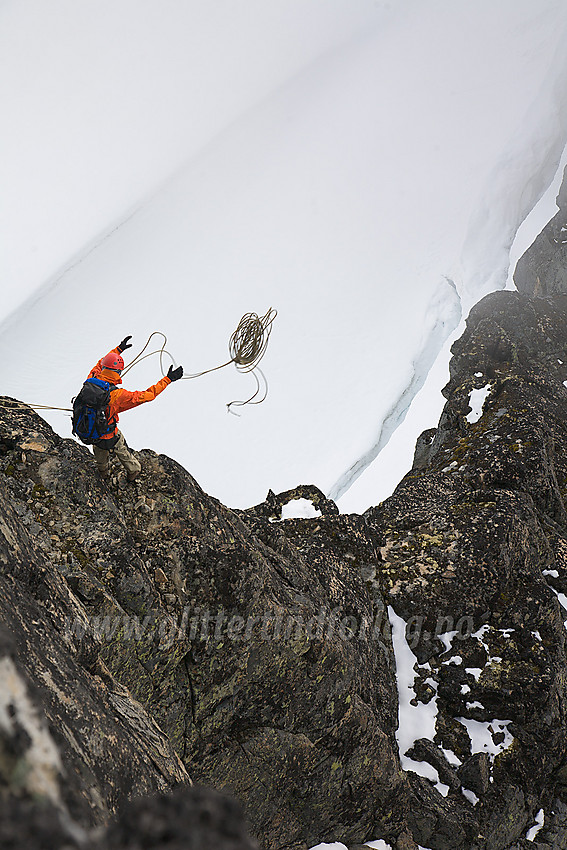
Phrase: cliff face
(150, 633)
(69, 732)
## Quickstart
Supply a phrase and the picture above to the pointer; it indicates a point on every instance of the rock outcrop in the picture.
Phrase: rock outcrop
(474, 555)
(542, 270)
(150, 634)
(251, 648)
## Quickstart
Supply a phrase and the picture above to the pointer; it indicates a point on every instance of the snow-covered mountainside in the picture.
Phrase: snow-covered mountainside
(363, 168)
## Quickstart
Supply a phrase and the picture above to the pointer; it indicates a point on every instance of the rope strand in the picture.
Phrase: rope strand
(252, 397)
(6, 402)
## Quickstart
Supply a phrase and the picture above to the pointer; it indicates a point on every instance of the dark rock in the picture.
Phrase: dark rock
(188, 819)
(554, 831)
(423, 449)
(37, 826)
(452, 735)
(475, 773)
(443, 823)
(425, 750)
(271, 507)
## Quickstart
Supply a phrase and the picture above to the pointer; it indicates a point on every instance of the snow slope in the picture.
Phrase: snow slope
(102, 100)
(365, 174)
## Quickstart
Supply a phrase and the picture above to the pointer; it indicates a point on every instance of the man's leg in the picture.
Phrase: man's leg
(102, 457)
(130, 463)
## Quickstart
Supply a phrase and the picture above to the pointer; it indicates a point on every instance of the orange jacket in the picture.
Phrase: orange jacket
(120, 399)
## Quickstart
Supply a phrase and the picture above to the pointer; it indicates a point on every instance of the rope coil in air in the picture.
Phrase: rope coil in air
(246, 347)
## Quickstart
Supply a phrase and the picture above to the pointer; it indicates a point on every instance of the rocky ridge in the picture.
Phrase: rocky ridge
(153, 638)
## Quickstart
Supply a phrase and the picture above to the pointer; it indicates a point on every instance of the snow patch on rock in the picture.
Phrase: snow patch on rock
(476, 403)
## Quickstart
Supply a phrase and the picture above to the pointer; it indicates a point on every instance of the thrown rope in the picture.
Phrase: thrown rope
(246, 347)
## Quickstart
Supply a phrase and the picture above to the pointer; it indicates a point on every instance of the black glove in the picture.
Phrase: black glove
(175, 374)
(125, 344)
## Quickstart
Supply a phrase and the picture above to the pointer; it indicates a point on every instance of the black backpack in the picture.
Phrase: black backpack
(90, 422)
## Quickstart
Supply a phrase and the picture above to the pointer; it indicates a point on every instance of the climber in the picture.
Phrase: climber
(108, 369)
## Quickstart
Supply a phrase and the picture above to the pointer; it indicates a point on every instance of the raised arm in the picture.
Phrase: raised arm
(125, 400)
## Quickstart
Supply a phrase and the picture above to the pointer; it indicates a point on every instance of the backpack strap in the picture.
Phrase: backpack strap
(109, 442)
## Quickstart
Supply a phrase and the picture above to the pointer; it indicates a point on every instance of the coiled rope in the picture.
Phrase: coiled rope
(246, 347)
